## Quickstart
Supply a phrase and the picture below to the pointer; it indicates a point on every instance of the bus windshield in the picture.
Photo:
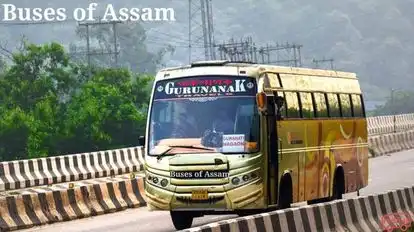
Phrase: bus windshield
(204, 114)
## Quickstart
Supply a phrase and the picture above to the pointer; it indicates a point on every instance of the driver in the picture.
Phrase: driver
(185, 125)
(223, 123)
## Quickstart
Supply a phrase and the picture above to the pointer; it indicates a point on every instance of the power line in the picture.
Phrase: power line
(317, 62)
(243, 50)
(246, 50)
(286, 54)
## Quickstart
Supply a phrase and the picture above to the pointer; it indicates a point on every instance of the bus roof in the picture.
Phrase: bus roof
(224, 67)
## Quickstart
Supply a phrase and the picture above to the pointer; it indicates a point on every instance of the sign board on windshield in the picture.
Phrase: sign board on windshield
(205, 87)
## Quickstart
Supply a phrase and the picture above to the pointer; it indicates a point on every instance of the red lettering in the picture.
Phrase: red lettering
(217, 82)
(227, 82)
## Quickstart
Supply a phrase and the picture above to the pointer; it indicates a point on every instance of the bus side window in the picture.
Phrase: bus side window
(346, 105)
(292, 105)
(357, 106)
(283, 112)
(321, 107)
(307, 105)
(334, 110)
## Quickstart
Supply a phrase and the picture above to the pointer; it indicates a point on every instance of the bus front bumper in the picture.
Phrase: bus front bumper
(248, 196)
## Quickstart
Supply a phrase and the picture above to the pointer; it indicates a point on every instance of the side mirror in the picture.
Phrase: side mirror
(265, 103)
(141, 141)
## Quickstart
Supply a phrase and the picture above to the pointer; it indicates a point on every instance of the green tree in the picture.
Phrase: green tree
(3, 65)
(33, 91)
(36, 73)
(50, 105)
(106, 114)
(400, 103)
(15, 129)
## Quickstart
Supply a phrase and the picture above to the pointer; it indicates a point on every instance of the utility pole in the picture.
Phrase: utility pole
(89, 53)
(200, 29)
(316, 62)
(115, 43)
(88, 48)
(393, 110)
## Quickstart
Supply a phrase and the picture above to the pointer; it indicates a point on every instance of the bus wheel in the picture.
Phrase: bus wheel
(285, 193)
(339, 185)
(181, 220)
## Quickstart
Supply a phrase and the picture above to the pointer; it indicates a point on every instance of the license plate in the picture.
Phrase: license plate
(199, 195)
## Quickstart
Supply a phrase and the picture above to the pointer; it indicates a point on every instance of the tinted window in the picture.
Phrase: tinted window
(321, 107)
(292, 105)
(357, 106)
(307, 105)
(346, 105)
(333, 102)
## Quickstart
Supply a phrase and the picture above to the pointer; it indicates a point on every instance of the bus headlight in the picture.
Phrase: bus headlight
(157, 180)
(235, 180)
(253, 175)
(164, 183)
(248, 177)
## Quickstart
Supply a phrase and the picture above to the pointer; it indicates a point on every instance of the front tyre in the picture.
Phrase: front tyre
(181, 220)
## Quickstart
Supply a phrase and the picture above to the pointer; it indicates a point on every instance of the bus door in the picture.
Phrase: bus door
(271, 115)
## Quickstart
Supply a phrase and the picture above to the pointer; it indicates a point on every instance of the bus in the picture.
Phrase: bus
(229, 137)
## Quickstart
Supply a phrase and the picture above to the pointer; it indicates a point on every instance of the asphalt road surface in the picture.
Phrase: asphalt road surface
(386, 173)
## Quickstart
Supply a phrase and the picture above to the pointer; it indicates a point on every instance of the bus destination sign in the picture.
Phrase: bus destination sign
(205, 87)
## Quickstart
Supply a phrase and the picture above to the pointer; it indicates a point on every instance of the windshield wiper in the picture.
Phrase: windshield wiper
(181, 146)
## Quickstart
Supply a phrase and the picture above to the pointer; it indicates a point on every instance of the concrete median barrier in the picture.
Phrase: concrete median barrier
(390, 123)
(390, 143)
(58, 169)
(96, 197)
(382, 212)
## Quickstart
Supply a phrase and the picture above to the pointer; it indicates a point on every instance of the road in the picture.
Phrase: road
(386, 173)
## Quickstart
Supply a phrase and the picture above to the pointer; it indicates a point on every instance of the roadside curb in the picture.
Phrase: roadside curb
(369, 213)
(28, 210)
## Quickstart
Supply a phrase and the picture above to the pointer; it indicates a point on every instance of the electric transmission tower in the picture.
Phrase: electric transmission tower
(89, 52)
(317, 62)
(200, 30)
